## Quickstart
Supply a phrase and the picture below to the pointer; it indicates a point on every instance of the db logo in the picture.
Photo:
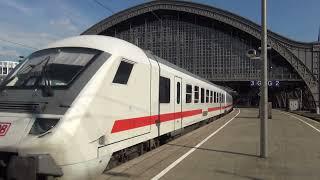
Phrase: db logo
(4, 127)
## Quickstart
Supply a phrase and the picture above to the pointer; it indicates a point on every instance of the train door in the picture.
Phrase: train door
(177, 103)
(220, 102)
(224, 102)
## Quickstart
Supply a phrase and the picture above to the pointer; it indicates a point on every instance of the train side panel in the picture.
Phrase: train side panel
(192, 109)
(125, 103)
(147, 107)
(196, 109)
(166, 120)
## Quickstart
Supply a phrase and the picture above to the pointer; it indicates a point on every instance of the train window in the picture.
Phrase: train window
(164, 90)
(178, 92)
(63, 66)
(211, 96)
(123, 73)
(215, 97)
(207, 96)
(196, 94)
(202, 95)
(188, 93)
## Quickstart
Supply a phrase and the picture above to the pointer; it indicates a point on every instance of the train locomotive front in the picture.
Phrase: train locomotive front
(45, 126)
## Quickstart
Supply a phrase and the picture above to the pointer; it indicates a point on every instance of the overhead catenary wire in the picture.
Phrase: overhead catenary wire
(104, 6)
(20, 44)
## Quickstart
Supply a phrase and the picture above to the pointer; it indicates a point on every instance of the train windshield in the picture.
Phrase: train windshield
(56, 67)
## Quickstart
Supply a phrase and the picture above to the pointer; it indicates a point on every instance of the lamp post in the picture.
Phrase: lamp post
(264, 80)
(252, 54)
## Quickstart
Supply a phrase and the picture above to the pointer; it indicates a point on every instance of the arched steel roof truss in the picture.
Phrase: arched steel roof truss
(279, 43)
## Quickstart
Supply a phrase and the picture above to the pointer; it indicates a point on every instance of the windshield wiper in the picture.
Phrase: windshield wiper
(7, 80)
(47, 90)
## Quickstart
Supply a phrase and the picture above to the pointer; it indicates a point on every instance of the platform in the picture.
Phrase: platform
(229, 149)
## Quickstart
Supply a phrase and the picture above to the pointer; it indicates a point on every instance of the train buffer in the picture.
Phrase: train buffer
(228, 148)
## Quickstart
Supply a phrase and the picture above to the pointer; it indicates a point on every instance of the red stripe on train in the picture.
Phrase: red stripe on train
(132, 123)
(214, 109)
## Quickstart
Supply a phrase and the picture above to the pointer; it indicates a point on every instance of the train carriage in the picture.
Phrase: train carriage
(81, 101)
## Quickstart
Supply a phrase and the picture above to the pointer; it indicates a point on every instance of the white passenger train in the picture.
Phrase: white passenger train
(82, 102)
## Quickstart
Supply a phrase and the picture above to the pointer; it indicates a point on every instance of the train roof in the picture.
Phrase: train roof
(119, 47)
(107, 44)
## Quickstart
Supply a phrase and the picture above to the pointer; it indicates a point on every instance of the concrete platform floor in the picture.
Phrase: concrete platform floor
(232, 151)
(308, 114)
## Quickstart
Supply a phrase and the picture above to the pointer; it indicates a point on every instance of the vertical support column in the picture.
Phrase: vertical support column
(161, 42)
(178, 58)
(316, 72)
(316, 48)
(264, 85)
(145, 34)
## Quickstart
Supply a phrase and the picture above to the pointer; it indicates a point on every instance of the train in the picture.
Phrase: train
(73, 108)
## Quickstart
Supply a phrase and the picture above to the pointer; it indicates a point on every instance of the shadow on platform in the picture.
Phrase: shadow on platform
(247, 117)
(119, 174)
(215, 150)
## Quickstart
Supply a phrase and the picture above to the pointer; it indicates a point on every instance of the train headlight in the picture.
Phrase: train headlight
(42, 125)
